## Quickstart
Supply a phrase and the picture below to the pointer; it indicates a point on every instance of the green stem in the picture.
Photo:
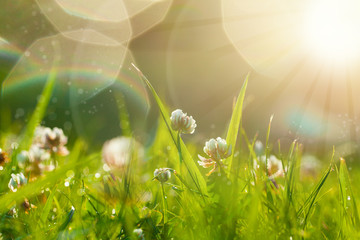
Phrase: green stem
(54, 159)
(164, 209)
(179, 147)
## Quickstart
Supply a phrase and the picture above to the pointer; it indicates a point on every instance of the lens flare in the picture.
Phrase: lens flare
(109, 11)
(98, 19)
(86, 66)
(331, 29)
(9, 53)
(103, 20)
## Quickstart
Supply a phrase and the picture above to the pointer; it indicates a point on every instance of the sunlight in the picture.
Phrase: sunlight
(332, 30)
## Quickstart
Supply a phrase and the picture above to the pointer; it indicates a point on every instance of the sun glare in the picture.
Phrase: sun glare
(332, 30)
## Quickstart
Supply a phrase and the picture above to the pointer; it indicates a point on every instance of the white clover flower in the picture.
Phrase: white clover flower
(274, 167)
(55, 140)
(16, 181)
(51, 139)
(139, 233)
(162, 174)
(117, 152)
(37, 154)
(36, 160)
(39, 134)
(181, 122)
(217, 149)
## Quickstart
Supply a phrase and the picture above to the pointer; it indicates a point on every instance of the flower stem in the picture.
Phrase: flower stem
(164, 210)
(54, 159)
(179, 147)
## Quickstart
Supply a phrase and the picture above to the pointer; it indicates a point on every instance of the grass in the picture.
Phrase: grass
(80, 200)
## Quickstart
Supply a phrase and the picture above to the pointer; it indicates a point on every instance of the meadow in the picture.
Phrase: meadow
(232, 187)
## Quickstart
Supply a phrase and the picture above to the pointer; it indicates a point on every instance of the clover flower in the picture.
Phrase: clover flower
(36, 160)
(3, 157)
(16, 181)
(37, 154)
(139, 233)
(51, 139)
(217, 149)
(117, 152)
(162, 174)
(181, 122)
(39, 161)
(274, 167)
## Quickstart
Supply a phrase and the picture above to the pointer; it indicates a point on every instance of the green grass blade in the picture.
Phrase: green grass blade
(39, 112)
(31, 189)
(290, 174)
(267, 148)
(347, 196)
(46, 210)
(309, 203)
(317, 187)
(234, 126)
(67, 220)
(188, 161)
(123, 116)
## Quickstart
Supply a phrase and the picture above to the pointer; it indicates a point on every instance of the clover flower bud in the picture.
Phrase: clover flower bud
(181, 122)
(16, 181)
(162, 174)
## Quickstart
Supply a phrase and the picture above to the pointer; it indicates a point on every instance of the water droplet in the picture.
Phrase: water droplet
(106, 168)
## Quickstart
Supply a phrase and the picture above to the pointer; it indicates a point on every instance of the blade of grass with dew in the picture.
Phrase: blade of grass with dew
(267, 155)
(267, 148)
(317, 187)
(347, 198)
(46, 210)
(235, 123)
(193, 171)
(67, 220)
(39, 112)
(310, 201)
(33, 188)
(290, 177)
(252, 155)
